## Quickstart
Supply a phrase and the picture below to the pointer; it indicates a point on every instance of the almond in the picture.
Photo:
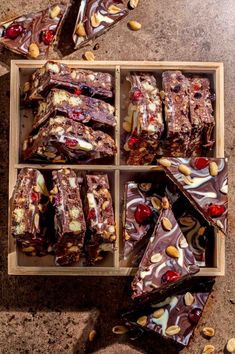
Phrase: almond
(89, 56)
(120, 329)
(95, 22)
(34, 50)
(113, 9)
(164, 162)
(208, 349)
(126, 126)
(172, 330)
(184, 169)
(208, 331)
(134, 25)
(231, 345)
(201, 231)
(166, 224)
(73, 249)
(55, 11)
(80, 30)
(213, 168)
(133, 3)
(92, 335)
(158, 313)
(188, 299)
(156, 203)
(165, 203)
(187, 180)
(156, 258)
(142, 321)
(172, 251)
(186, 221)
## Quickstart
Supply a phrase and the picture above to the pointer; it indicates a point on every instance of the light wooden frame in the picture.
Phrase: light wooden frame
(214, 69)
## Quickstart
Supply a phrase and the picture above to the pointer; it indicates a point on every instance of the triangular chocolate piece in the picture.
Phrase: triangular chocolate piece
(204, 182)
(167, 259)
(32, 34)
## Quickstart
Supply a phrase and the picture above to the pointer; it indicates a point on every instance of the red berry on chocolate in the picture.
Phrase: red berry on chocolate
(136, 95)
(70, 143)
(199, 163)
(170, 276)
(133, 141)
(215, 211)
(91, 214)
(47, 37)
(142, 213)
(194, 315)
(14, 31)
(75, 115)
(77, 92)
(34, 197)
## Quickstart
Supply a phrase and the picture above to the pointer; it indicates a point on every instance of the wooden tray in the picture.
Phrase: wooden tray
(119, 172)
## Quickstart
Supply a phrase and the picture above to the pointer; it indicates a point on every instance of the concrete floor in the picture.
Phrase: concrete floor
(54, 315)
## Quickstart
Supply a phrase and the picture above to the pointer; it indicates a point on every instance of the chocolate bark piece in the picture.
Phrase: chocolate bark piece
(178, 126)
(207, 192)
(28, 205)
(144, 118)
(196, 235)
(69, 218)
(63, 139)
(96, 17)
(182, 310)
(135, 234)
(100, 218)
(54, 74)
(33, 34)
(201, 116)
(167, 259)
(79, 108)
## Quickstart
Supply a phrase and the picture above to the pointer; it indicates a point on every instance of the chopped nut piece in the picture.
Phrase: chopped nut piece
(113, 9)
(208, 331)
(156, 203)
(156, 258)
(142, 321)
(184, 169)
(92, 335)
(188, 299)
(213, 167)
(55, 11)
(134, 25)
(165, 203)
(164, 162)
(95, 22)
(172, 252)
(172, 330)
(208, 349)
(231, 345)
(133, 3)
(120, 329)
(80, 30)
(158, 313)
(75, 226)
(34, 50)
(105, 205)
(89, 56)
(166, 224)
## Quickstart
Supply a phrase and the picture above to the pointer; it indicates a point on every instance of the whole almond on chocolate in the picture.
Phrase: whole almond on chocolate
(80, 30)
(156, 203)
(134, 25)
(158, 313)
(92, 335)
(172, 330)
(142, 321)
(164, 162)
(33, 50)
(165, 203)
(208, 349)
(230, 346)
(95, 21)
(113, 9)
(213, 168)
(166, 224)
(185, 170)
(119, 329)
(172, 251)
(188, 299)
(208, 331)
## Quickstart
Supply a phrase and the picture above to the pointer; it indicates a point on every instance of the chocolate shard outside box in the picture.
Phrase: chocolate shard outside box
(69, 219)
(100, 218)
(167, 260)
(33, 34)
(204, 182)
(144, 119)
(29, 205)
(176, 316)
(63, 139)
(96, 17)
(59, 75)
(80, 108)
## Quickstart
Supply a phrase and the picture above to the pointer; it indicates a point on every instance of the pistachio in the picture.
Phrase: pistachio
(134, 25)
(156, 258)
(92, 335)
(33, 50)
(89, 56)
(156, 203)
(172, 330)
(188, 299)
(208, 331)
(208, 349)
(164, 162)
(187, 180)
(184, 169)
(165, 203)
(231, 345)
(142, 321)
(126, 126)
(55, 11)
(213, 168)
(224, 189)
(113, 9)
(36, 221)
(158, 313)
(166, 224)
(80, 30)
(172, 251)
(95, 21)
(120, 329)
(133, 3)
(26, 86)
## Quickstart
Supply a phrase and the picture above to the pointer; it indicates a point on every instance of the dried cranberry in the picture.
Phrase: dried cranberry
(199, 163)
(133, 141)
(170, 276)
(194, 315)
(196, 86)
(14, 31)
(136, 95)
(197, 95)
(77, 92)
(215, 210)
(47, 37)
(75, 115)
(34, 197)
(142, 213)
(70, 142)
(176, 89)
(151, 119)
(91, 214)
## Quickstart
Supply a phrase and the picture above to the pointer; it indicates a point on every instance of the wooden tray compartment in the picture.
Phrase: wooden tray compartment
(20, 125)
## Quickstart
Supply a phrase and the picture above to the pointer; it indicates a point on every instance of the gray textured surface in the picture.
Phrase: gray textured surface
(54, 315)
